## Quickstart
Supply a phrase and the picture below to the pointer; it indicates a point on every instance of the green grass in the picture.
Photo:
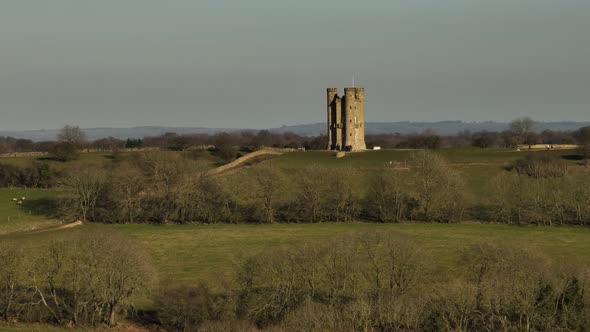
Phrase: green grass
(376, 159)
(476, 165)
(201, 159)
(31, 215)
(190, 254)
(85, 158)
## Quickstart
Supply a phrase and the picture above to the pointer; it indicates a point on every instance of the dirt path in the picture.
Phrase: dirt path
(240, 161)
(57, 228)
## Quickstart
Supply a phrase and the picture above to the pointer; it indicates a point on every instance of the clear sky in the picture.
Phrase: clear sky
(266, 63)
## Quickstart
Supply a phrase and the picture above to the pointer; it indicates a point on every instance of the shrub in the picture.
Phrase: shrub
(10, 175)
(38, 175)
(437, 189)
(184, 309)
(517, 199)
(65, 151)
(540, 165)
(387, 199)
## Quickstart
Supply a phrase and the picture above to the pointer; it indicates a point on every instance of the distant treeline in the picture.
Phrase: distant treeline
(250, 141)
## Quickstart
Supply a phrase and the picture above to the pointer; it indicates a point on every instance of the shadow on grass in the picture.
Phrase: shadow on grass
(575, 157)
(42, 207)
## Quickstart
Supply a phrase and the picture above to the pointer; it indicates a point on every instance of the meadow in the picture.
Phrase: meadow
(192, 254)
(31, 215)
(197, 253)
(188, 255)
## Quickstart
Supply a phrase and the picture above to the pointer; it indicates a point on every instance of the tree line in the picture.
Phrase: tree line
(377, 281)
(164, 188)
(228, 146)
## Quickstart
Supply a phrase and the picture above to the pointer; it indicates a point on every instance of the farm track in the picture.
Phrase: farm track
(47, 229)
(57, 228)
(244, 159)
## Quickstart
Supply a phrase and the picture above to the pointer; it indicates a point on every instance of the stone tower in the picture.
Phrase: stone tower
(346, 120)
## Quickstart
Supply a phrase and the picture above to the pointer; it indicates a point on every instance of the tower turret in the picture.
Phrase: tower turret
(360, 122)
(349, 107)
(346, 118)
(332, 94)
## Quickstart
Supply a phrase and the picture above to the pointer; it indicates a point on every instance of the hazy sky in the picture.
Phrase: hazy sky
(265, 63)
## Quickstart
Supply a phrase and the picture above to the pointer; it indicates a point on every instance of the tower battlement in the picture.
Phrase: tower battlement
(346, 119)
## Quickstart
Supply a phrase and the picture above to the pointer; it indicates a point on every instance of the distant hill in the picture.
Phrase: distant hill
(406, 127)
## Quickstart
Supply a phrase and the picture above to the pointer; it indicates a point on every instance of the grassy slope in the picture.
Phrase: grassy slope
(477, 165)
(15, 218)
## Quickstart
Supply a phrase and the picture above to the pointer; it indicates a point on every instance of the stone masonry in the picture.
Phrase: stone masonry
(346, 120)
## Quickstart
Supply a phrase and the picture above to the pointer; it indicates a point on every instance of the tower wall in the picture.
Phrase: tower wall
(338, 115)
(331, 95)
(346, 119)
(348, 109)
(360, 114)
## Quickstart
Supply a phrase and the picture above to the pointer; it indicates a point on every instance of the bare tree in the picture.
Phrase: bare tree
(438, 190)
(90, 278)
(81, 190)
(582, 137)
(72, 135)
(12, 273)
(387, 200)
(127, 192)
(521, 129)
(310, 203)
(270, 186)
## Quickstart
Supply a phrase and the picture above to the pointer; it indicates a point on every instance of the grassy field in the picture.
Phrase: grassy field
(85, 158)
(30, 215)
(476, 165)
(190, 254)
(376, 159)
(200, 158)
